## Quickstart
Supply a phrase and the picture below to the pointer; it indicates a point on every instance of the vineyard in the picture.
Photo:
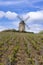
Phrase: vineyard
(21, 48)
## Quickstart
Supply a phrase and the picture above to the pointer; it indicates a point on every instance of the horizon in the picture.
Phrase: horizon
(10, 9)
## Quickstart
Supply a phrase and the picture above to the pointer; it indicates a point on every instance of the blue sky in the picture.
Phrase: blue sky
(10, 9)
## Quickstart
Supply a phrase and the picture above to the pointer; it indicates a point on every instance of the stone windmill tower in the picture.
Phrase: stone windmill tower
(22, 24)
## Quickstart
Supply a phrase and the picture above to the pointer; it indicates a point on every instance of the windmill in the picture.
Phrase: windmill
(22, 24)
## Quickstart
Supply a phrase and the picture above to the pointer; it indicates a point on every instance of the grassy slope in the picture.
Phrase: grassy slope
(21, 48)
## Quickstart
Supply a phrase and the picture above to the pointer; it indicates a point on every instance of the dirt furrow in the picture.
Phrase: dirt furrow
(22, 57)
(5, 58)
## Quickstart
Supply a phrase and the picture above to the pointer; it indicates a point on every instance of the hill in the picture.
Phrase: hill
(21, 48)
(41, 32)
(14, 30)
(10, 30)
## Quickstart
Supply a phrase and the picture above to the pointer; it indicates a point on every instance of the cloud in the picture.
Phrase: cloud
(7, 3)
(33, 4)
(34, 1)
(9, 15)
(2, 28)
(38, 15)
(16, 24)
(2, 14)
(35, 28)
(20, 3)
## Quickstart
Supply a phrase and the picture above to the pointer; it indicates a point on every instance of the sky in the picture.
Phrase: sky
(31, 9)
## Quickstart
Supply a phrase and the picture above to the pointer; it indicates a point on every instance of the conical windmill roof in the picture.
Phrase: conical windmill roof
(22, 22)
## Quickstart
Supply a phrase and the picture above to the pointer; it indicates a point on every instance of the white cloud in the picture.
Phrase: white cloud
(10, 15)
(28, 3)
(16, 24)
(17, 1)
(2, 28)
(38, 15)
(35, 28)
(33, 3)
(2, 14)
(7, 3)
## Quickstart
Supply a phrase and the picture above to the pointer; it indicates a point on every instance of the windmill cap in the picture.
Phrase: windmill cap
(22, 22)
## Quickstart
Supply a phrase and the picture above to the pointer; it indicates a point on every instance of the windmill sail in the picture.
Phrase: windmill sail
(27, 18)
(27, 26)
(20, 18)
